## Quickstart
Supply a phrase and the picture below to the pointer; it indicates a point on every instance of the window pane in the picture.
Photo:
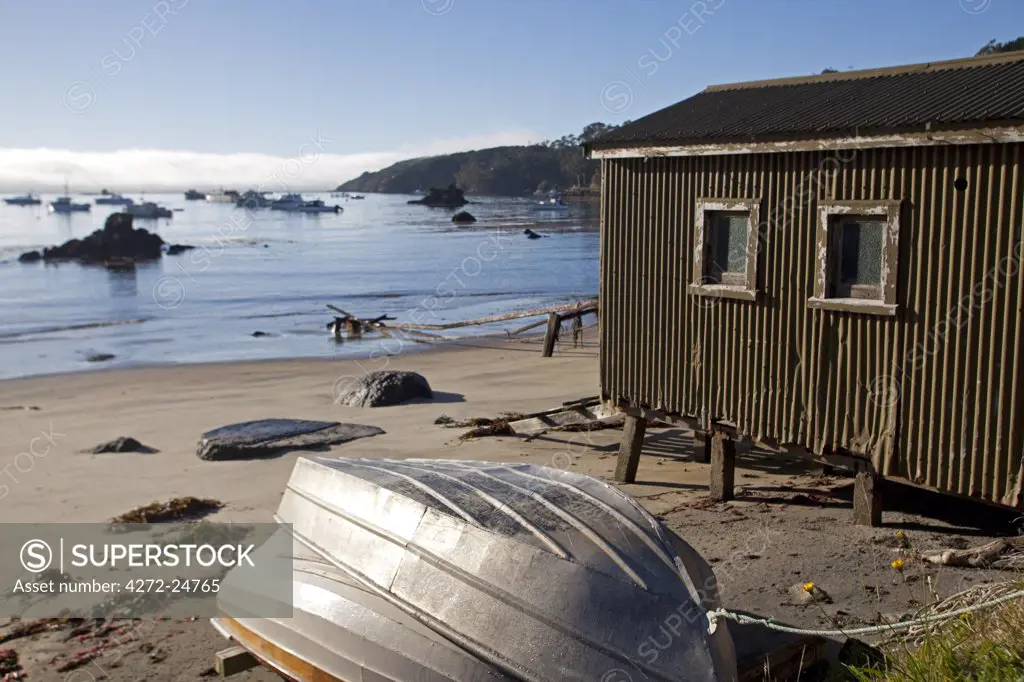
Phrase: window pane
(728, 236)
(861, 253)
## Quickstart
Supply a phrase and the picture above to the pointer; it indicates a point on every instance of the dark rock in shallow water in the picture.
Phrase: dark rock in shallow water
(268, 437)
(379, 389)
(99, 357)
(117, 243)
(175, 249)
(30, 257)
(530, 234)
(452, 197)
(463, 217)
(122, 444)
(259, 334)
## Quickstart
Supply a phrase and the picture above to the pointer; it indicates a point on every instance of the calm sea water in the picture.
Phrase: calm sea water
(275, 273)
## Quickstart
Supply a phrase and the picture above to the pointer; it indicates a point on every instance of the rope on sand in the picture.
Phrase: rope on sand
(720, 614)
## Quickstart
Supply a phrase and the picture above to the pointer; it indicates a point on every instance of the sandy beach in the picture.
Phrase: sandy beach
(789, 523)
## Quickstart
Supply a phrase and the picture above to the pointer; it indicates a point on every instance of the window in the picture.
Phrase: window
(725, 253)
(858, 247)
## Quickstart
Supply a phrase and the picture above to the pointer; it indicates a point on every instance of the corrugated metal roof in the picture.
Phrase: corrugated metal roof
(985, 90)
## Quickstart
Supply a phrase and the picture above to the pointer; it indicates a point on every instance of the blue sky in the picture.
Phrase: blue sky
(387, 78)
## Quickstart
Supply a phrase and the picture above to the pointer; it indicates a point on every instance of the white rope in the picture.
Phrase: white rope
(718, 614)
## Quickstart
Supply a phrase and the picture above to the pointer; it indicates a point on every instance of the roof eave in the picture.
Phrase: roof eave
(988, 134)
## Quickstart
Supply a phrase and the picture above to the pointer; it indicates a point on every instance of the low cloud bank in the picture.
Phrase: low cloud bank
(312, 166)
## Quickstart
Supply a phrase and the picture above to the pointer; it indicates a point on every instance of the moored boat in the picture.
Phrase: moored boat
(287, 202)
(316, 206)
(223, 197)
(469, 571)
(148, 209)
(64, 204)
(554, 203)
(114, 199)
(195, 195)
(23, 200)
(253, 199)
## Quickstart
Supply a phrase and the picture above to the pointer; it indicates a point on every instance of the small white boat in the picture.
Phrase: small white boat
(114, 199)
(457, 571)
(552, 204)
(224, 197)
(287, 202)
(148, 210)
(24, 200)
(316, 206)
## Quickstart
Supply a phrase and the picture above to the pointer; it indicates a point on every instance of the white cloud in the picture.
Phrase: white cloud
(312, 166)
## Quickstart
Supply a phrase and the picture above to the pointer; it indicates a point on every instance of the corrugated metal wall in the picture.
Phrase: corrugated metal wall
(933, 394)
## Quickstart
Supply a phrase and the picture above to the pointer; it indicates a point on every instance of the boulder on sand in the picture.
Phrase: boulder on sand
(463, 217)
(382, 388)
(118, 242)
(268, 437)
(122, 444)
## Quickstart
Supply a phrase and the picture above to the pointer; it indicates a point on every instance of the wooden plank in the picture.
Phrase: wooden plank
(228, 662)
(629, 449)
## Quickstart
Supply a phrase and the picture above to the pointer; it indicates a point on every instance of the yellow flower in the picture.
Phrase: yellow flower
(897, 564)
(901, 535)
(809, 587)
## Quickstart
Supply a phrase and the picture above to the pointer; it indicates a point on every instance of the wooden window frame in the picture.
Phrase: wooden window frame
(830, 214)
(747, 291)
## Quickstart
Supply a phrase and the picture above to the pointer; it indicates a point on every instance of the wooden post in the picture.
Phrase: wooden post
(723, 466)
(554, 322)
(702, 446)
(629, 449)
(867, 499)
(355, 327)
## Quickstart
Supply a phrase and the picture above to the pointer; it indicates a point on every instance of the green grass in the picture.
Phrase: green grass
(980, 647)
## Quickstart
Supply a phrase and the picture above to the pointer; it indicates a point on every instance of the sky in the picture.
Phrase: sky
(156, 94)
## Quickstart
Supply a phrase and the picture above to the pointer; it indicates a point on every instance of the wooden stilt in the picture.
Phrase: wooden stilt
(702, 446)
(867, 499)
(629, 449)
(723, 466)
(554, 323)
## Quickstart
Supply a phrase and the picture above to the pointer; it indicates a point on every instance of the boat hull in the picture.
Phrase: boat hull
(72, 208)
(541, 574)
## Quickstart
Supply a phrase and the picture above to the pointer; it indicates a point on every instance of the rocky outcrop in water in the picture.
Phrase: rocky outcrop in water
(463, 218)
(117, 243)
(451, 197)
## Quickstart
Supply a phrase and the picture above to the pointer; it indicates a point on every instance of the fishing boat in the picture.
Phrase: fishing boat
(148, 210)
(114, 199)
(316, 206)
(253, 199)
(24, 200)
(357, 196)
(459, 571)
(64, 204)
(287, 202)
(195, 195)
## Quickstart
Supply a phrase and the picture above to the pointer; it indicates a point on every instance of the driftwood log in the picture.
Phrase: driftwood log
(1003, 553)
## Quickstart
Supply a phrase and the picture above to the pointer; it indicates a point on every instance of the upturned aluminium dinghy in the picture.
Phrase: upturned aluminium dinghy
(437, 570)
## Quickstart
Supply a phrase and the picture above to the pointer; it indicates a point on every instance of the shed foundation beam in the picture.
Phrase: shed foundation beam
(723, 466)
(867, 499)
(629, 449)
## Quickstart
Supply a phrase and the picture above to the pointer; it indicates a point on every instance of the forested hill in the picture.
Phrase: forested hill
(501, 171)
